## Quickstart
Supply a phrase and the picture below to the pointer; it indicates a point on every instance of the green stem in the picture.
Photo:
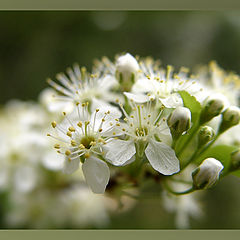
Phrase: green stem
(192, 158)
(190, 190)
(209, 145)
(186, 143)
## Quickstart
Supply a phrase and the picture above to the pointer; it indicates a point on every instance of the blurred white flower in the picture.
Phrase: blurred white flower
(81, 87)
(216, 80)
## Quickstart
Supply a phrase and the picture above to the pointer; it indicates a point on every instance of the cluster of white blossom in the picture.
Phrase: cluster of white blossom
(126, 121)
(38, 194)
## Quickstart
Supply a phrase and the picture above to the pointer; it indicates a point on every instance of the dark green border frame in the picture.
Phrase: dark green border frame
(119, 234)
(119, 5)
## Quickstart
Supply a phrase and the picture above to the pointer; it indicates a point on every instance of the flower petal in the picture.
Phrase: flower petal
(162, 158)
(96, 173)
(119, 152)
(70, 166)
(172, 101)
(138, 98)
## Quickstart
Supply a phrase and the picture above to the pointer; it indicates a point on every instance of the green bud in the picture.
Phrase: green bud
(207, 174)
(205, 135)
(230, 118)
(179, 121)
(213, 106)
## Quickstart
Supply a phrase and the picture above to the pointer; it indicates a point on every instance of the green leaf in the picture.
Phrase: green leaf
(191, 103)
(221, 153)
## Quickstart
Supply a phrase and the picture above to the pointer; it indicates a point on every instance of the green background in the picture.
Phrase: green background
(37, 45)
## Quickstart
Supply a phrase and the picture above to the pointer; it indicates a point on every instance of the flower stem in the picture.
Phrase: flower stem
(190, 190)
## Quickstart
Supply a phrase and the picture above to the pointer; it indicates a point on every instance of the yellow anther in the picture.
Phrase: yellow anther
(117, 100)
(124, 129)
(114, 133)
(77, 103)
(81, 146)
(108, 112)
(110, 123)
(100, 130)
(118, 125)
(58, 152)
(87, 155)
(68, 152)
(71, 129)
(48, 134)
(57, 146)
(149, 115)
(54, 124)
(69, 159)
(83, 104)
(73, 143)
(116, 119)
(79, 124)
(97, 110)
(93, 143)
(103, 120)
(86, 123)
(102, 153)
(131, 116)
(64, 113)
(125, 119)
(69, 133)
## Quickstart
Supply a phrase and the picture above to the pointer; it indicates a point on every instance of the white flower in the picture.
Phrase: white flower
(147, 132)
(163, 86)
(207, 174)
(82, 136)
(21, 145)
(80, 86)
(216, 80)
(48, 99)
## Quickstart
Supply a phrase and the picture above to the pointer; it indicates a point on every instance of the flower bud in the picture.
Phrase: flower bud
(230, 118)
(213, 106)
(179, 121)
(207, 174)
(235, 160)
(127, 66)
(205, 135)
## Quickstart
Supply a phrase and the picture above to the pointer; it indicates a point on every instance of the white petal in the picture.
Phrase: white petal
(162, 158)
(70, 166)
(119, 152)
(96, 173)
(172, 101)
(53, 161)
(138, 98)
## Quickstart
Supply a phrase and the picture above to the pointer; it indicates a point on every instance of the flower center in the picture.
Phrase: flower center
(87, 141)
(141, 131)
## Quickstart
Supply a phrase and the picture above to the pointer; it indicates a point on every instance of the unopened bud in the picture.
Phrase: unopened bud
(230, 118)
(179, 121)
(205, 135)
(207, 174)
(235, 160)
(127, 66)
(213, 106)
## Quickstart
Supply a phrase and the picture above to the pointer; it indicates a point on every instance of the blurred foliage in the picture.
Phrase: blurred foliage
(37, 45)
